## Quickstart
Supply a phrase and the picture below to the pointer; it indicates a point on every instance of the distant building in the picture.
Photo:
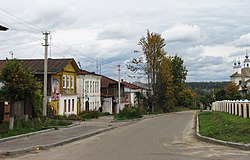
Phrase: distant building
(241, 75)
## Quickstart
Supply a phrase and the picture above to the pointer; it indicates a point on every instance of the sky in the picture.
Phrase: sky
(208, 35)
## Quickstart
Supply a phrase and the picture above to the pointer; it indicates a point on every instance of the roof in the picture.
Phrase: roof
(130, 85)
(37, 65)
(84, 72)
(2, 28)
(105, 82)
(236, 74)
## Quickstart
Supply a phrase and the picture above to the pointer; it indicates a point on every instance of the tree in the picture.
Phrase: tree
(164, 86)
(153, 52)
(179, 72)
(221, 94)
(19, 84)
(232, 91)
(186, 98)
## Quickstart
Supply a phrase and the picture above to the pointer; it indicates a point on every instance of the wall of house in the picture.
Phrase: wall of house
(89, 89)
(68, 105)
(107, 105)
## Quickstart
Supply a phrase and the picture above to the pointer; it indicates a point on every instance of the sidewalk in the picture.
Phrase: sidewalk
(53, 138)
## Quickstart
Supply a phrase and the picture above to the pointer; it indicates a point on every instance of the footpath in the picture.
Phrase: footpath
(59, 136)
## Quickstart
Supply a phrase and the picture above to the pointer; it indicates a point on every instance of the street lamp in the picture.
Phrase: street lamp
(2, 28)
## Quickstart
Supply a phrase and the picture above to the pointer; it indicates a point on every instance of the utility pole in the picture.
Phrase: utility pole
(119, 88)
(97, 66)
(45, 98)
(100, 69)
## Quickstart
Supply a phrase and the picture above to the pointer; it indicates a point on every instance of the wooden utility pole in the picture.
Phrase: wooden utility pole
(119, 88)
(45, 98)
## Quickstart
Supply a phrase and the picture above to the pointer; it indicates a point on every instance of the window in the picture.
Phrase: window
(97, 88)
(87, 86)
(73, 105)
(72, 82)
(65, 106)
(90, 86)
(64, 81)
(68, 81)
(69, 105)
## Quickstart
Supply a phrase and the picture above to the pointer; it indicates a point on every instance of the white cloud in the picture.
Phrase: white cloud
(183, 33)
(243, 41)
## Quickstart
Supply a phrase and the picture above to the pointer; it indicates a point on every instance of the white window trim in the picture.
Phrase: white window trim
(72, 82)
(68, 80)
(64, 81)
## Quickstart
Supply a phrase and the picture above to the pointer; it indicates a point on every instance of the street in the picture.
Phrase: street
(170, 136)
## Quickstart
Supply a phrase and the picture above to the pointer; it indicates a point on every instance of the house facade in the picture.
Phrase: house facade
(130, 91)
(89, 91)
(109, 94)
(62, 95)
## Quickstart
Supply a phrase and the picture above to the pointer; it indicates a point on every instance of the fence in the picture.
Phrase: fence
(239, 108)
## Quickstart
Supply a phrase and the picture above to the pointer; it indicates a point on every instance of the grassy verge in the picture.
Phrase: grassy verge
(31, 125)
(223, 126)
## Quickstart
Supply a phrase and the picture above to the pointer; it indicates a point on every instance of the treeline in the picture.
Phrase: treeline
(206, 85)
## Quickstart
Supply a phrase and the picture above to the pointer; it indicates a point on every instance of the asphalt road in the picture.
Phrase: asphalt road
(161, 138)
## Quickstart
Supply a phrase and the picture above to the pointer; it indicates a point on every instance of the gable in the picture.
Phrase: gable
(69, 68)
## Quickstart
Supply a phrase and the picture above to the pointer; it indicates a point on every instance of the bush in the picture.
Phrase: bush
(129, 113)
(89, 114)
(75, 117)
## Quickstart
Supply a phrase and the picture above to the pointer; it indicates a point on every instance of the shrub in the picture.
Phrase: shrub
(89, 114)
(75, 117)
(129, 113)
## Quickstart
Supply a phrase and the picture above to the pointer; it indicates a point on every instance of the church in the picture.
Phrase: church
(241, 75)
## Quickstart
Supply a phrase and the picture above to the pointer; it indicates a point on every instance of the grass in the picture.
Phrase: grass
(31, 125)
(223, 126)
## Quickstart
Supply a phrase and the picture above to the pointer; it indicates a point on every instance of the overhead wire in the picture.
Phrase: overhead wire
(20, 21)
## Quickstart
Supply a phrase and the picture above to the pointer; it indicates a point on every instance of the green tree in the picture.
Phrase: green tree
(221, 94)
(179, 72)
(19, 84)
(164, 86)
(186, 98)
(232, 91)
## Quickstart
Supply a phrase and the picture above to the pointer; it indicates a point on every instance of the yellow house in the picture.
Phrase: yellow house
(62, 88)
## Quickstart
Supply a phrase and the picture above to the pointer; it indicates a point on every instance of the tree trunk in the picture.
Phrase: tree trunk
(26, 103)
(12, 115)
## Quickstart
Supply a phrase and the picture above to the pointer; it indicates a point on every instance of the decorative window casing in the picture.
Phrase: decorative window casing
(64, 81)
(68, 81)
(72, 82)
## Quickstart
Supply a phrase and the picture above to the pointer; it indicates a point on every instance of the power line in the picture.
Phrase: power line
(21, 21)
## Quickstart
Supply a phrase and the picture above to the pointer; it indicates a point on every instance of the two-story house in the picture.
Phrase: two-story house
(89, 90)
(109, 94)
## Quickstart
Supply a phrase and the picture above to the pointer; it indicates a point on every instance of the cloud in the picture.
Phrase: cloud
(183, 33)
(243, 41)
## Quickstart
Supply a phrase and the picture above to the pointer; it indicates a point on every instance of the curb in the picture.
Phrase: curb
(60, 143)
(25, 135)
(216, 141)
(37, 132)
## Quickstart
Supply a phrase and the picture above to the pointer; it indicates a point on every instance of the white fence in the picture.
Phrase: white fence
(239, 108)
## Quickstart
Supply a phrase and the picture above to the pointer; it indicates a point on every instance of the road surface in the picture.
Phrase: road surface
(167, 137)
